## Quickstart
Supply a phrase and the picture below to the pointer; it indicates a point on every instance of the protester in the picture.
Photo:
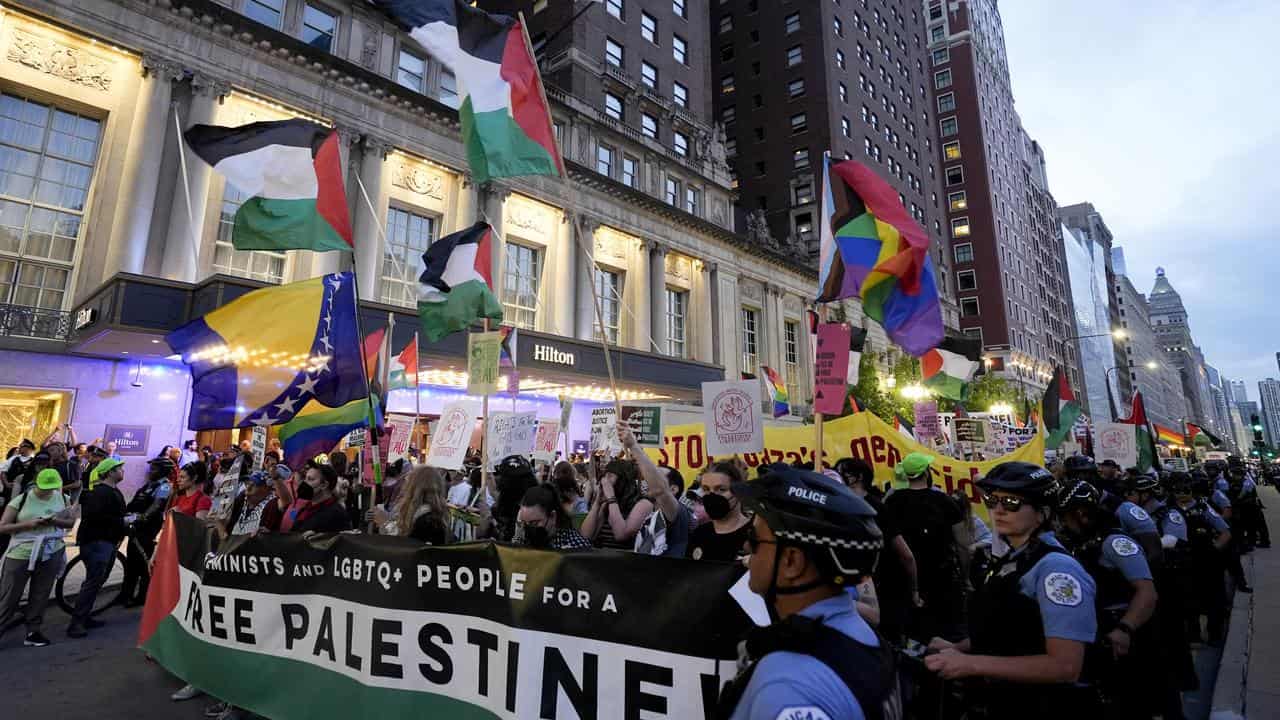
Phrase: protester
(460, 490)
(420, 511)
(723, 538)
(227, 486)
(102, 527)
(261, 507)
(68, 469)
(147, 505)
(543, 523)
(190, 453)
(510, 480)
(190, 498)
(321, 512)
(565, 478)
(35, 520)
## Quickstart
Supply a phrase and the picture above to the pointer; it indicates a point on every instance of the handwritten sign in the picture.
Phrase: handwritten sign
(1118, 442)
(544, 440)
(731, 411)
(400, 428)
(926, 420)
(483, 351)
(452, 436)
(258, 445)
(509, 434)
(831, 365)
(604, 431)
(645, 422)
(969, 430)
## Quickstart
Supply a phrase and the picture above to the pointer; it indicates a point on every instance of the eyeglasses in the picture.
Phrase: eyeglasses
(1008, 502)
(754, 542)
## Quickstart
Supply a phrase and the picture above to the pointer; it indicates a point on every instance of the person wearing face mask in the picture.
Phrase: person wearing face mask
(722, 539)
(226, 484)
(543, 523)
(322, 512)
(147, 505)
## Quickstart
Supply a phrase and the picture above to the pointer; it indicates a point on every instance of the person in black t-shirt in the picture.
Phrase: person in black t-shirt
(102, 527)
(723, 539)
(323, 512)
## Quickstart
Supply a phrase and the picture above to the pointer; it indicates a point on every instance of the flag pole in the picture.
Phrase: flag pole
(558, 156)
(417, 389)
(817, 416)
(372, 438)
(599, 311)
(186, 186)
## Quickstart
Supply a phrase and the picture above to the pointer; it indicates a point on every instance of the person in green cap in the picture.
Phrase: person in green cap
(35, 520)
(930, 522)
(102, 527)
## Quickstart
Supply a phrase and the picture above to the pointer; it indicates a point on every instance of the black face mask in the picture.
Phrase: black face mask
(534, 536)
(305, 491)
(717, 507)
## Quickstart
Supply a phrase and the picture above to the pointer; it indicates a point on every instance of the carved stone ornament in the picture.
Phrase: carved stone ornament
(678, 268)
(369, 52)
(209, 86)
(59, 60)
(793, 305)
(161, 68)
(419, 179)
(534, 220)
(758, 231)
(750, 289)
(377, 147)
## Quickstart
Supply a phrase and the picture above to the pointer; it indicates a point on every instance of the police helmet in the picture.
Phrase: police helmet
(1078, 494)
(812, 511)
(1028, 480)
(513, 466)
(1079, 465)
(1140, 482)
(1180, 483)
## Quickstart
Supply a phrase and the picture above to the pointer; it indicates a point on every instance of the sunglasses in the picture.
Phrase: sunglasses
(1008, 502)
(754, 542)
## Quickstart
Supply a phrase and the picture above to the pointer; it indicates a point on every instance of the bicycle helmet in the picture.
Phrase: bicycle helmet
(1028, 480)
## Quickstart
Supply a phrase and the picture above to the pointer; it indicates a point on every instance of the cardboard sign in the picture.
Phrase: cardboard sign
(969, 430)
(544, 440)
(400, 428)
(645, 422)
(731, 412)
(997, 438)
(926, 420)
(1118, 442)
(483, 351)
(452, 437)
(604, 431)
(831, 365)
(129, 439)
(258, 445)
(508, 434)
(1175, 464)
(566, 408)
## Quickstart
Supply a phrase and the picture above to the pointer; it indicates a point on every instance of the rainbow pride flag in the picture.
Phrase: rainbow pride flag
(777, 391)
(872, 249)
(1169, 435)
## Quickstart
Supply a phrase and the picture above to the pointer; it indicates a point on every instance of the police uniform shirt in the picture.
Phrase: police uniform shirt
(1248, 486)
(792, 686)
(1134, 520)
(1220, 484)
(1215, 520)
(1220, 500)
(1121, 553)
(1064, 592)
(1174, 524)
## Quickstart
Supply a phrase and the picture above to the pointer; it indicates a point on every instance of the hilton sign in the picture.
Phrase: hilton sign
(549, 354)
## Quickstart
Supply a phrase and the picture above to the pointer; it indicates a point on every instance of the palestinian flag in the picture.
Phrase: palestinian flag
(457, 286)
(1200, 437)
(904, 426)
(291, 172)
(857, 341)
(1060, 409)
(1146, 441)
(506, 125)
(404, 367)
(948, 368)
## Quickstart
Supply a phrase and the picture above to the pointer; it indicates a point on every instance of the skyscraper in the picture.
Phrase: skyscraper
(1239, 391)
(1085, 220)
(1173, 331)
(1142, 358)
(1269, 391)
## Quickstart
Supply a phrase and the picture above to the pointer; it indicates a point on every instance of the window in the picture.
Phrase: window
(319, 26)
(448, 89)
(629, 171)
(680, 143)
(799, 123)
(257, 265)
(614, 8)
(613, 106)
(750, 347)
(612, 52)
(47, 161)
(837, 26)
(679, 50)
(942, 79)
(804, 225)
(804, 193)
(692, 200)
(964, 253)
(522, 270)
(411, 71)
(791, 360)
(845, 128)
(726, 84)
(947, 102)
(795, 56)
(267, 12)
(730, 147)
(680, 94)
(941, 55)
(955, 175)
(951, 150)
(795, 88)
(844, 93)
(949, 126)
(408, 237)
(792, 23)
(957, 201)
(968, 307)
(729, 115)
(960, 227)
(604, 159)
(677, 7)
(800, 158)
(672, 191)
(609, 291)
(648, 28)
(840, 59)
(677, 309)
(649, 125)
(649, 75)
(726, 23)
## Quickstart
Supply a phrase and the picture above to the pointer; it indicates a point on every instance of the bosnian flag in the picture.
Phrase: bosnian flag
(506, 124)
(291, 172)
(457, 288)
(948, 368)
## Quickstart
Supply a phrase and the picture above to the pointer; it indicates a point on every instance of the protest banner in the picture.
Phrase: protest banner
(509, 434)
(545, 439)
(367, 476)
(645, 422)
(926, 420)
(386, 627)
(400, 429)
(604, 431)
(483, 351)
(831, 365)
(731, 411)
(1118, 442)
(452, 437)
(258, 444)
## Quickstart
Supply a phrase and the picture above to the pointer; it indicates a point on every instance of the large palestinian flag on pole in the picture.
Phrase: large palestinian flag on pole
(1145, 436)
(457, 285)
(506, 124)
(292, 174)
(1060, 409)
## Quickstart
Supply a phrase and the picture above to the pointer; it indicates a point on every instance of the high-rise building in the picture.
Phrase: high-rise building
(792, 80)
(1087, 278)
(1269, 391)
(1000, 217)
(1084, 219)
(1173, 331)
(1239, 391)
(1249, 410)
(1142, 358)
(1218, 396)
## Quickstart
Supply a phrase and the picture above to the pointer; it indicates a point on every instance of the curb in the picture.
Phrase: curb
(1229, 691)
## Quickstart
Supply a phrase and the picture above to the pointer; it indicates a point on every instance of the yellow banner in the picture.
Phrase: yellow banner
(862, 435)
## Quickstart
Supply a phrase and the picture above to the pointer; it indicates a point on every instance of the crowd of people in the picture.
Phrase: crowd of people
(1085, 593)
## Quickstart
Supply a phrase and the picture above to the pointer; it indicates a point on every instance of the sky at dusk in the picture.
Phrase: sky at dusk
(1164, 115)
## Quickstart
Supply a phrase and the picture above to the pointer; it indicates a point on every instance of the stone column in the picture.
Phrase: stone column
(181, 262)
(152, 117)
(367, 221)
(727, 338)
(658, 298)
(777, 331)
(637, 295)
(717, 338)
(583, 299)
(569, 260)
(490, 198)
(703, 309)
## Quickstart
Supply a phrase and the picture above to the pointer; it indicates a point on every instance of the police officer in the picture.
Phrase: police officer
(1033, 616)
(1133, 492)
(811, 541)
(1174, 584)
(1253, 524)
(147, 505)
(1126, 600)
(1210, 538)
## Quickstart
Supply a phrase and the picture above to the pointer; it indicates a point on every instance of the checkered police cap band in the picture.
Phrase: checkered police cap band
(811, 539)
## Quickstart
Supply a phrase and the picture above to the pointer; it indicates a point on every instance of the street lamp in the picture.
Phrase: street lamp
(914, 392)
(1001, 409)
(1152, 364)
(1118, 334)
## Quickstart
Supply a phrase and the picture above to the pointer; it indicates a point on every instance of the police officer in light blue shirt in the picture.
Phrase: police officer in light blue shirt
(1137, 489)
(811, 538)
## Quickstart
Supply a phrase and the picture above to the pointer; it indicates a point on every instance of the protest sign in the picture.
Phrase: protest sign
(997, 438)
(566, 408)
(258, 444)
(969, 430)
(1017, 437)
(731, 411)
(356, 438)
(831, 365)
(604, 431)
(452, 437)
(544, 440)
(645, 422)
(1174, 463)
(1118, 442)
(509, 434)
(400, 428)
(386, 627)
(926, 420)
(483, 351)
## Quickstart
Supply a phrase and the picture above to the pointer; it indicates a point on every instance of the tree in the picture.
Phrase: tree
(987, 390)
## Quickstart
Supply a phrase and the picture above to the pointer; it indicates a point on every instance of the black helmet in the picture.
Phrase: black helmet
(1140, 482)
(1079, 464)
(513, 466)
(1180, 483)
(1029, 480)
(1078, 494)
(809, 509)
(161, 465)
